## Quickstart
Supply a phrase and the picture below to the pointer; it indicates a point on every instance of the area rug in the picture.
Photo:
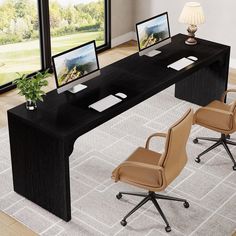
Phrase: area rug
(209, 186)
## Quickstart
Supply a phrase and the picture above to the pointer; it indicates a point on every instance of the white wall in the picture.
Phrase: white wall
(122, 17)
(220, 19)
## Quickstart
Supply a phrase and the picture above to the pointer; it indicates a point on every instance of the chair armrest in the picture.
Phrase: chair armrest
(163, 135)
(138, 165)
(225, 93)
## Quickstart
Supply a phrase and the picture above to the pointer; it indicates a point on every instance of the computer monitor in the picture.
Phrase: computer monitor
(76, 66)
(152, 34)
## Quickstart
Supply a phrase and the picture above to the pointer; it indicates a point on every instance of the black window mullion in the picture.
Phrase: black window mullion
(45, 38)
(107, 23)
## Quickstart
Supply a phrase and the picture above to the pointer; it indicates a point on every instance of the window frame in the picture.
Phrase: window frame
(45, 38)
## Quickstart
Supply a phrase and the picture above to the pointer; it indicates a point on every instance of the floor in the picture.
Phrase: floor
(210, 186)
(9, 226)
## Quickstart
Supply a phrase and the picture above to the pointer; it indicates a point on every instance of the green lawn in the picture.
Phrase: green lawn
(25, 57)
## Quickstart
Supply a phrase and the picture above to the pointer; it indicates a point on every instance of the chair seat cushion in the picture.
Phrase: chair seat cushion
(215, 115)
(139, 176)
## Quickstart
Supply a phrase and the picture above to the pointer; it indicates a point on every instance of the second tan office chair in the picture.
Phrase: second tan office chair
(220, 117)
(154, 171)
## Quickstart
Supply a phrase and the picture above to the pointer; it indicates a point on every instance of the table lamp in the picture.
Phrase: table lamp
(192, 14)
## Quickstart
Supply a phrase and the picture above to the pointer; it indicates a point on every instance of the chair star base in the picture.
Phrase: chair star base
(151, 196)
(223, 140)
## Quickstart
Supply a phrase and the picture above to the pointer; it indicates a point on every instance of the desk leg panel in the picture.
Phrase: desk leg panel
(40, 168)
(206, 84)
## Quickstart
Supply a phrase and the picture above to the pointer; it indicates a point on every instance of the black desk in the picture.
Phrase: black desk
(42, 141)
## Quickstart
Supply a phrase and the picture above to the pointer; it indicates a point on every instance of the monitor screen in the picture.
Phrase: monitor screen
(153, 31)
(75, 64)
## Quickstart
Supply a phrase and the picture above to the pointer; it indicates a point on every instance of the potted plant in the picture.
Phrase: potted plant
(31, 88)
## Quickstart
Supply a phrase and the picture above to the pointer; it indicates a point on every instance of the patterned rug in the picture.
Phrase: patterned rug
(209, 186)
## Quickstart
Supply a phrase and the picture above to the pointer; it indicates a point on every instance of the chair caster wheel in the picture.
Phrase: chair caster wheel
(123, 223)
(195, 141)
(168, 229)
(186, 204)
(198, 160)
(234, 167)
(119, 196)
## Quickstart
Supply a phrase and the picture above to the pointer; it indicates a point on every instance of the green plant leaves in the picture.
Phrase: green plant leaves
(31, 87)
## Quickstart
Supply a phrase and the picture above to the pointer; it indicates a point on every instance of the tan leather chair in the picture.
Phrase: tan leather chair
(220, 117)
(154, 171)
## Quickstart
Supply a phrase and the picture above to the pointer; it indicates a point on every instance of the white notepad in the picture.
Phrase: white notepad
(180, 64)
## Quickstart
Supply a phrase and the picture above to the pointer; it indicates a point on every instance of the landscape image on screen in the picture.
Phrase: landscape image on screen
(75, 64)
(153, 31)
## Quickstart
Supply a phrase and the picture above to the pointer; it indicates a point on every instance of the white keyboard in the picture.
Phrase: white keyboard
(105, 103)
(181, 63)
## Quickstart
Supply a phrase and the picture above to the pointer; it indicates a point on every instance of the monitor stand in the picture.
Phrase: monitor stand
(152, 53)
(77, 88)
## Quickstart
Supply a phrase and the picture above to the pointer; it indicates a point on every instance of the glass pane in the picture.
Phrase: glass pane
(19, 38)
(74, 22)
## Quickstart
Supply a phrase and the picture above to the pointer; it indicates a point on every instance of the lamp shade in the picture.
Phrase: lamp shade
(192, 14)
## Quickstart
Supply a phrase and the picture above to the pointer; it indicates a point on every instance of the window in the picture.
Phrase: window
(33, 30)
(19, 39)
(76, 22)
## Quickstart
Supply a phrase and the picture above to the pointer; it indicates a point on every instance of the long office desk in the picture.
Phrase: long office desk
(42, 141)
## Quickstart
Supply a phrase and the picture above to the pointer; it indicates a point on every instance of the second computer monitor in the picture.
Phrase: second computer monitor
(152, 34)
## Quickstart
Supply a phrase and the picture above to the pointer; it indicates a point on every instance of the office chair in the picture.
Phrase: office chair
(154, 171)
(220, 117)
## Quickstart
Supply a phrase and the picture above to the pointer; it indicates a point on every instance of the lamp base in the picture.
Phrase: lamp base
(191, 41)
(191, 33)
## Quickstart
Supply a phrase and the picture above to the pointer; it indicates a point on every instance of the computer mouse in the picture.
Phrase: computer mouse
(121, 95)
(193, 58)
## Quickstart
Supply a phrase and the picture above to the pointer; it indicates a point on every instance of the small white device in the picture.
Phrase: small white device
(180, 64)
(105, 103)
(193, 58)
(121, 95)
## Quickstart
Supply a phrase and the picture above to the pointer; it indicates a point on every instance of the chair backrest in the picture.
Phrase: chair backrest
(174, 157)
(233, 109)
(232, 106)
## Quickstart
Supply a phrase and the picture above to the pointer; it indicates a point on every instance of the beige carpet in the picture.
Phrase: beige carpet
(210, 186)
